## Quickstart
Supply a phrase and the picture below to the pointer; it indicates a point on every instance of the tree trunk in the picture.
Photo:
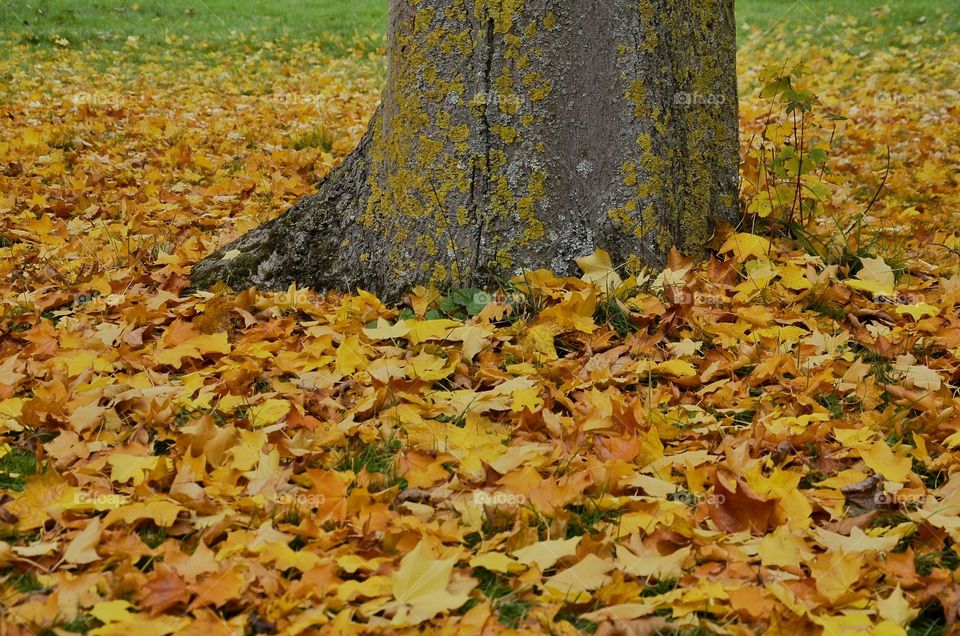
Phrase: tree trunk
(517, 134)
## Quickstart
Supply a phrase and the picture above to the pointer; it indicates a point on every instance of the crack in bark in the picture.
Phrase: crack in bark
(487, 87)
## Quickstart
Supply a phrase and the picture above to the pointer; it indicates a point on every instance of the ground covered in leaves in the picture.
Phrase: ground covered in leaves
(765, 441)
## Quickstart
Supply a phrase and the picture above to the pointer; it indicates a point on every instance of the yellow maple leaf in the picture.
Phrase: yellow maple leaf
(421, 297)
(385, 331)
(836, 573)
(858, 541)
(883, 460)
(268, 412)
(44, 497)
(384, 370)
(422, 587)
(917, 311)
(10, 410)
(424, 330)
(794, 277)
(496, 562)
(745, 245)
(546, 553)
(896, 608)
(574, 313)
(474, 338)
(759, 273)
(539, 341)
(598, 270)
(953, 441)
(574, 583)
(427, 366)
(783, 547)
(351, 356)
(161, 512)
(526, 398)
(649, 562)
(676, 368)
(112, 612)
(126, 467)
(83, 548)
(621, 612)
(876, 277)
(195, 347)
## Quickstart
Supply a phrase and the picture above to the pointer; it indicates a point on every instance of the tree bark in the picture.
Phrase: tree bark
(516, 134)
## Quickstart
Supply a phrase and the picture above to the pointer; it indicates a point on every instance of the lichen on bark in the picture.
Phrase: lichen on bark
(519, 134)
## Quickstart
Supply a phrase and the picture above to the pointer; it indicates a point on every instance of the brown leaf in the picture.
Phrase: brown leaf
(737, 508)
(165, 589)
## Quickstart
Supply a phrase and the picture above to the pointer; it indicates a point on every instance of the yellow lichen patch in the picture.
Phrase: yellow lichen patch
(637, 95)
(439, 276)
(647, 27)
(540, 87)
(534, 228)
(635, 265)
(653, 166)
(625, 221)
(550, 20)
(423, 20)
(504, 260)
(507, 134)
(443, 119)
(427, 243)
(502, 12)
(460, 133)
(537, 184)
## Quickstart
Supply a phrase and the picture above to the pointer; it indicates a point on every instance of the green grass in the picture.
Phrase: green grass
(221, 23)
(890, 21)
(379, 457)
(23, 582)
(215, 22)
(15, 467)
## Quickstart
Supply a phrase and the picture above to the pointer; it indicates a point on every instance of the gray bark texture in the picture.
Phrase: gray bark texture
(518, 134)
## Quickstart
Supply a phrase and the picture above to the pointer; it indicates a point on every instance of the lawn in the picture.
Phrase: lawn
(217, 22)
(214, 22)
(883, 23)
